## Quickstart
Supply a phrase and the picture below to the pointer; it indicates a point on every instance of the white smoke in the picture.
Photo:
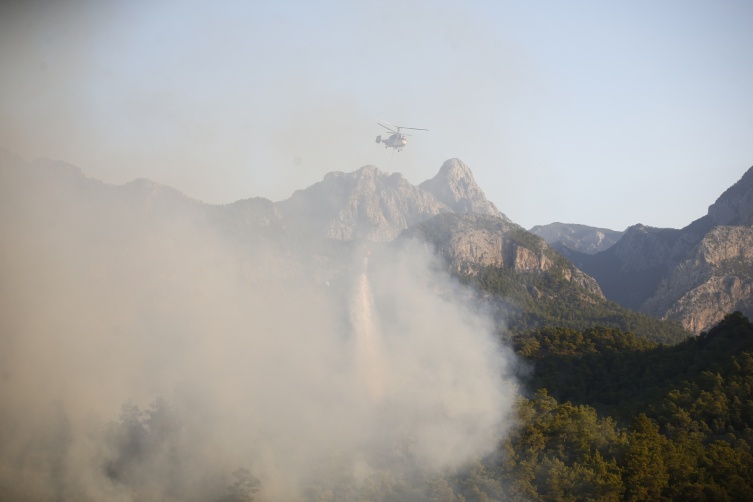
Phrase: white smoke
(300, 366)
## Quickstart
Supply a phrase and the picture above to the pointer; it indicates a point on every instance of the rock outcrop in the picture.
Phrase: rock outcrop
(714, 279)
(471, 242)
(695, 275)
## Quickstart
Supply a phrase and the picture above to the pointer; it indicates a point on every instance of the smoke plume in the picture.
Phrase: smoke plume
(147, 352)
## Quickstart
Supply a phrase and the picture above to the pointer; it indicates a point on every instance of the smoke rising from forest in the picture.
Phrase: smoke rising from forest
(147, 353)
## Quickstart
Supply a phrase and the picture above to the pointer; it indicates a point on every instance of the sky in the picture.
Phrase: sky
(600, 113)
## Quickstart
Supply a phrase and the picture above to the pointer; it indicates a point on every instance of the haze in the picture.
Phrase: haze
(308, 363)
(606, 114)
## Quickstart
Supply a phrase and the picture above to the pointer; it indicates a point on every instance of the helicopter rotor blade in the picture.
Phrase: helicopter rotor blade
(382, 122)
(388, 128)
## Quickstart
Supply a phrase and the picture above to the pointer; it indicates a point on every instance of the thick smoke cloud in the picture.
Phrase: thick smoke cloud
(147, 352)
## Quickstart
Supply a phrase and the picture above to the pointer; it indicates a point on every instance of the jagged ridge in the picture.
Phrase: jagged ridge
(377, 206)
(695, 275)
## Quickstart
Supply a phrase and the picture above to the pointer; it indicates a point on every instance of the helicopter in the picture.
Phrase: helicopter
(397, 140)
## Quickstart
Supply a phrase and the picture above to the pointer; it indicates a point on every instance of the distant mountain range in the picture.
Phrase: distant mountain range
(694, 275)
(573, 237)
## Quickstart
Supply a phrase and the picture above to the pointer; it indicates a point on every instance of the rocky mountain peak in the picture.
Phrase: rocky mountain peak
(735, 205)
(368, 171)
(455, 186)
(371, 204)
(455, 169)
(365, 204)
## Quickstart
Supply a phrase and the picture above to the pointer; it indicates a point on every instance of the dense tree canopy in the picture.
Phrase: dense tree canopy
(610, 416)
(531, 301)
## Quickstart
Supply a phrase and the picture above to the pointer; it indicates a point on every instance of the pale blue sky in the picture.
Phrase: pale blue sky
(601, 113)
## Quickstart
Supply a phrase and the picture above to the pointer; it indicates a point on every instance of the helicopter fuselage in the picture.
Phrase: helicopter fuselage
(397, 141)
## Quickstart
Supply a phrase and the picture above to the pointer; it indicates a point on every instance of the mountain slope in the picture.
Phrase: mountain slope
(735, 206)
(695, 275)
(473, 242)
(714, 278)
(372, 205)
(525, 282)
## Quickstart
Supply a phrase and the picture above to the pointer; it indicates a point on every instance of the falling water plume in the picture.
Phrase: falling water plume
(369, 355)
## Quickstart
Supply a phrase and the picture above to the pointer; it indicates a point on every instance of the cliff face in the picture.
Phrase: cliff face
(715, 278)
(471, 242)
(710, 272)
(695, 275)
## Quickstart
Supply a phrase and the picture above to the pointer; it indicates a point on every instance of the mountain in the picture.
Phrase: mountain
(573, 237)
(695, 275)
(735, 206)
(473, 242)
(369, 204)
(377, 206)
(526, 283)
(455, 186)
(365, 204)
(715, 277)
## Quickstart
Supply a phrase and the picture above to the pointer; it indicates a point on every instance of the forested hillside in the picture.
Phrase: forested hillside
(631, 420)
(604, 415)
(682, 430)
(526, 283)
(526, 302)
(615, 418)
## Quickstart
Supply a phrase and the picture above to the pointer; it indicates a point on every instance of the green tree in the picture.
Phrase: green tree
(645, 472)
